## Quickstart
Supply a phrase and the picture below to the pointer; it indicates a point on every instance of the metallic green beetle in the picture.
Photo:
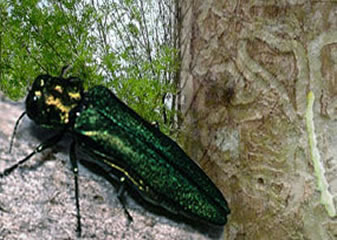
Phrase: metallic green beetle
(118, 140)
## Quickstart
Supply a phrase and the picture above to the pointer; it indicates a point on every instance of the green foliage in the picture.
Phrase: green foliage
(127, 45)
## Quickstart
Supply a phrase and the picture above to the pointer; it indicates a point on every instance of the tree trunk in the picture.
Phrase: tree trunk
(259, 88)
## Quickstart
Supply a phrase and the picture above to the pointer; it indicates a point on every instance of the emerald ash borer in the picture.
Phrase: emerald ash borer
(115, 138)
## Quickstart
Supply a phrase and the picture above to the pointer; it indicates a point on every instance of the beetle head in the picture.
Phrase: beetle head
(51, 99)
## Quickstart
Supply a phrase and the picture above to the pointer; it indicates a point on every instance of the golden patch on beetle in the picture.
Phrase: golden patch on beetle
(38, 93)
(51, 101)
(75, 95)
(58, 88)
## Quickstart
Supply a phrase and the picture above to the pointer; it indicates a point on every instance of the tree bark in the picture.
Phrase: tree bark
(258, 81)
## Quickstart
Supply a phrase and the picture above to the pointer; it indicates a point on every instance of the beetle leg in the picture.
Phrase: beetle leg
(46, 144)
(120, 195)
(73, 160)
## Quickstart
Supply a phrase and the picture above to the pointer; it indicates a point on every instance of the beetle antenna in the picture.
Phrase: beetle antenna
(14, 131)
(64, 70)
